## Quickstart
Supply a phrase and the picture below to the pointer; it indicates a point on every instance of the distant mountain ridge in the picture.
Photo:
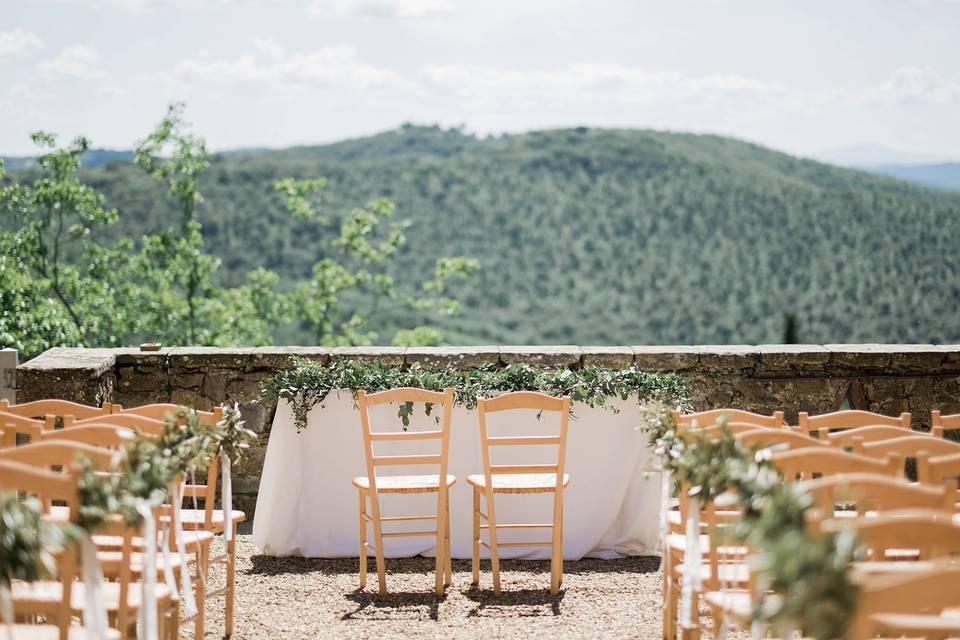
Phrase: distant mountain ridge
(939, 176)
(600, 236)
(91, 158)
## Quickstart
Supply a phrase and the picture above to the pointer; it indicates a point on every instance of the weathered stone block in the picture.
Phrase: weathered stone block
(739, 358)
(460, 357)
(607, 357)
(209, 357)
(665, 358)
(791, 358)
(282, 357)
(558, 356)
(386, 355)
(189, 398)
(255, 415)
(215, 385)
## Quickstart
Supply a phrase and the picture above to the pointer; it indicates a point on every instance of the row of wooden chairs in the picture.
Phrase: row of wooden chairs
(843, 459)
(495, 479)
(49, 434)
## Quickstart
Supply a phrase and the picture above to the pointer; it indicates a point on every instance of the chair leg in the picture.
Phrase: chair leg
(447, 547)
(475, 554)
(556, 556)
(669, 611)
(440, 561)
(492, 534)
(200, 591)
(231, 572)
(363, 539)
(378, 547)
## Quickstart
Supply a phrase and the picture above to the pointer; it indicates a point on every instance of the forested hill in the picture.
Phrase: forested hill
(597, 236)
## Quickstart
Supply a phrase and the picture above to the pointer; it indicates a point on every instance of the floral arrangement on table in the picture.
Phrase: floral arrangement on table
(308, 383)
(805, 572)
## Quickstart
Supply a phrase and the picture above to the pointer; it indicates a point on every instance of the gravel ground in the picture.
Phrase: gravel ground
(318, 598)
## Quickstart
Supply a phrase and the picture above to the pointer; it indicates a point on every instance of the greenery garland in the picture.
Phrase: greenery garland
(806, 571)
(308, 383)
(27, 540)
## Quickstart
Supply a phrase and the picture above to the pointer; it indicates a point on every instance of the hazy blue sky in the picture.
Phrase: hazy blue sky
(802, 76)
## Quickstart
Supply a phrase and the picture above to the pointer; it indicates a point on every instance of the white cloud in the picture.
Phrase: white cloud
(381, 8)
(18, 42)
(915, 85)
(142, 6)
(78, 62)
(271, 68)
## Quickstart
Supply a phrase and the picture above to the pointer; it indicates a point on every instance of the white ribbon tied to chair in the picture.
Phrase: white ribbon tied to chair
(691, 564)
(94, 609)
(227, 498)
(187, 600)
(6, 607)
(148, 601)
(664, 509)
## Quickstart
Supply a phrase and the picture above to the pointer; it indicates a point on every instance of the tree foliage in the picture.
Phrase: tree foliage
(70, 275)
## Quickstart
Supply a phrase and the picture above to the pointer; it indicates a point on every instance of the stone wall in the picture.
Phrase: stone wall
(883, 378)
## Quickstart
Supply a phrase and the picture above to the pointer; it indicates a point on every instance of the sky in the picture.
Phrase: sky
(803, 76)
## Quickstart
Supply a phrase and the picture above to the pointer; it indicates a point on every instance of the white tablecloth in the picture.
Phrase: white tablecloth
(308, 506)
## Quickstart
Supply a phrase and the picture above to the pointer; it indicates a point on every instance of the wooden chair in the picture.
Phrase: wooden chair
(926, 534)
(520, 479)
(196, 521)
(943, 470)
(714, 430)
(58, 408)
(871, 492)
(143, 424)
(99, 435)
(911, 605)
(371, 485)
(710, 417)
(848, 419)
(30, 428)
(918, 447)
(939, 424)
(855, 438)
(782, 438)
(805, 463)
(60, 599)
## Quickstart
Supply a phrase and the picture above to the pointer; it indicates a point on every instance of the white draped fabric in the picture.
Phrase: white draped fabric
(308, 506)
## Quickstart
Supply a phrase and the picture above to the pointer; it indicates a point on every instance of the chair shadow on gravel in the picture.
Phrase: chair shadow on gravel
(393, 606)
(514, 603)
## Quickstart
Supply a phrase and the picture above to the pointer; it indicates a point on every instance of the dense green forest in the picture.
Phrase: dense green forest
(594, 236)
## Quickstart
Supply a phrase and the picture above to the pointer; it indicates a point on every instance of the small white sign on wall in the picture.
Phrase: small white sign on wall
(8, 375)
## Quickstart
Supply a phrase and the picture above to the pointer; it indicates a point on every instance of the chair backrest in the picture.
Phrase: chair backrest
(143, 424)
(857, 436)
(58, 408)
(160, 411)
(932, 534)
(443, 400)
(714, 431)
(919, 447)
(924, 592)
(778, 437)
(57, 453)
(941, 423)
(943, 470)
(99, 435)
(520, 400)
(17, 477)
(711, 416)
(803, 464)
(14, 425)
(849, 419)
(873, 492)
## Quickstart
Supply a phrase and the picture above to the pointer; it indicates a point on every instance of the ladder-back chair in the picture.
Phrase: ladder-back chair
(520, 479)
(143, 424)
(803, 464)
(909, 606)
(711, 416)
(782, 438)
(856, 437)
(944, 470)
(848, 419)
(58, 408)
(919, 447)
(14, 425)
(99, 435)
(926, 534)
(871, 492)
(940, 424)
(370, 486)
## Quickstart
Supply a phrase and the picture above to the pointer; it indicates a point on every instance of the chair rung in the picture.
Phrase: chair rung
(405, 518)
(404, 534)
(408, 435)
(384, 460)
(216, 592)
(522, 468)
(522, 440)
(519, 526)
